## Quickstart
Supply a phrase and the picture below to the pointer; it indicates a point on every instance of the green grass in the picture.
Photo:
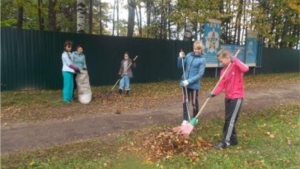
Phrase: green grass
(269, 139)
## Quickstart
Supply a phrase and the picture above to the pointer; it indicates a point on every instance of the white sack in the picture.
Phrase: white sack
(83, 87)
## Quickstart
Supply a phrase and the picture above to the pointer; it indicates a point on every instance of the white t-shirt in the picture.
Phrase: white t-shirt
(125, 64)
(67, 62)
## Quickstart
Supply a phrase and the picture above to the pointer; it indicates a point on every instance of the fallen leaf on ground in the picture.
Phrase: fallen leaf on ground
(165, 144)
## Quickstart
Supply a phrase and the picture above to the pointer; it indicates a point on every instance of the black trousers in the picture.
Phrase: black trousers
(232, 110)
(193, 97)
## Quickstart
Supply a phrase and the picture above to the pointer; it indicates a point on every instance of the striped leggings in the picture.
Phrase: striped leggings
(232, 110)
(193, 97)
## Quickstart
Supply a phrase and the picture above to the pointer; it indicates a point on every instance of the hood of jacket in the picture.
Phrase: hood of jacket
(195, 55)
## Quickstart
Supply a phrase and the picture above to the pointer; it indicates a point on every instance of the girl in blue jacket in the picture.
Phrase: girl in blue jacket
(79, 61)
(194, 64)
(79, 58)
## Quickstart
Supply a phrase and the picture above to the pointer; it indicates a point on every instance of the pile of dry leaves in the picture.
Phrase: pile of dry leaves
(165, 144)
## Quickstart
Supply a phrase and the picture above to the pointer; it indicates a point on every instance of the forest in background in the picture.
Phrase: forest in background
(276, 21)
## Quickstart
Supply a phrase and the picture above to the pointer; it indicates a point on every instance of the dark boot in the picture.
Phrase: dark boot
(220, 145)
(120, 91)
(127, 92)
(233, 139)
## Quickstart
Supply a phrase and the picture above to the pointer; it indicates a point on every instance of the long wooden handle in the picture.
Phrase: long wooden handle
(204, 104)
(123, 73)
(129, 65)
(115, 85)
(236, 53)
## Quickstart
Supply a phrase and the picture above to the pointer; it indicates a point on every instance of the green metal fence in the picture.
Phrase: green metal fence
(31, 59)
(279, 60)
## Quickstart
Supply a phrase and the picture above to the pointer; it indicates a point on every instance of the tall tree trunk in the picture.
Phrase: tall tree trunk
(100, 22)
(148, 10)
(131, 15)
(20, 17)
(284, 31)
(118, 19)
(228, 36)
(41, 19)
(195, 29)
(272, 31)
(169, 22)
(139, 19)
(295, 34)
(266, 5)
(114, 23)
(221, 10)
(52, 15)
(177, 31)
(81, 11)
(245, 26)
(91, 17)
(238, 23)
(162, 21)
(251, 15)
(277, 36)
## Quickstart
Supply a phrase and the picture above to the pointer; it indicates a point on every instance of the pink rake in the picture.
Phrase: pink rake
(186, 130)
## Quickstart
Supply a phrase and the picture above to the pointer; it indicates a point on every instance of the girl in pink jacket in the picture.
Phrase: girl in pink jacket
(233, 83)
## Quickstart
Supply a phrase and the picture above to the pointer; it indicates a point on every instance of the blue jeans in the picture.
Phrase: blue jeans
(124, 82)
(68, 87)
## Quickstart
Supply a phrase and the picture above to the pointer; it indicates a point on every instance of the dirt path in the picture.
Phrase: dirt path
(55, 132)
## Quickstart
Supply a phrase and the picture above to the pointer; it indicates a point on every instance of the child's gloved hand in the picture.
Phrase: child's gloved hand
(185, 83)
(210, 95)
(181, 54)
(77, 70)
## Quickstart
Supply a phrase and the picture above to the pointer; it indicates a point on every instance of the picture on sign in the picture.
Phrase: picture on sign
(211, 42)
(251, 51)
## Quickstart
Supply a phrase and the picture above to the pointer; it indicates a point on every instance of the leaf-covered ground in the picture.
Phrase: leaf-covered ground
(268, 138)
(266, 127)
(26, 106)
(165, 144)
